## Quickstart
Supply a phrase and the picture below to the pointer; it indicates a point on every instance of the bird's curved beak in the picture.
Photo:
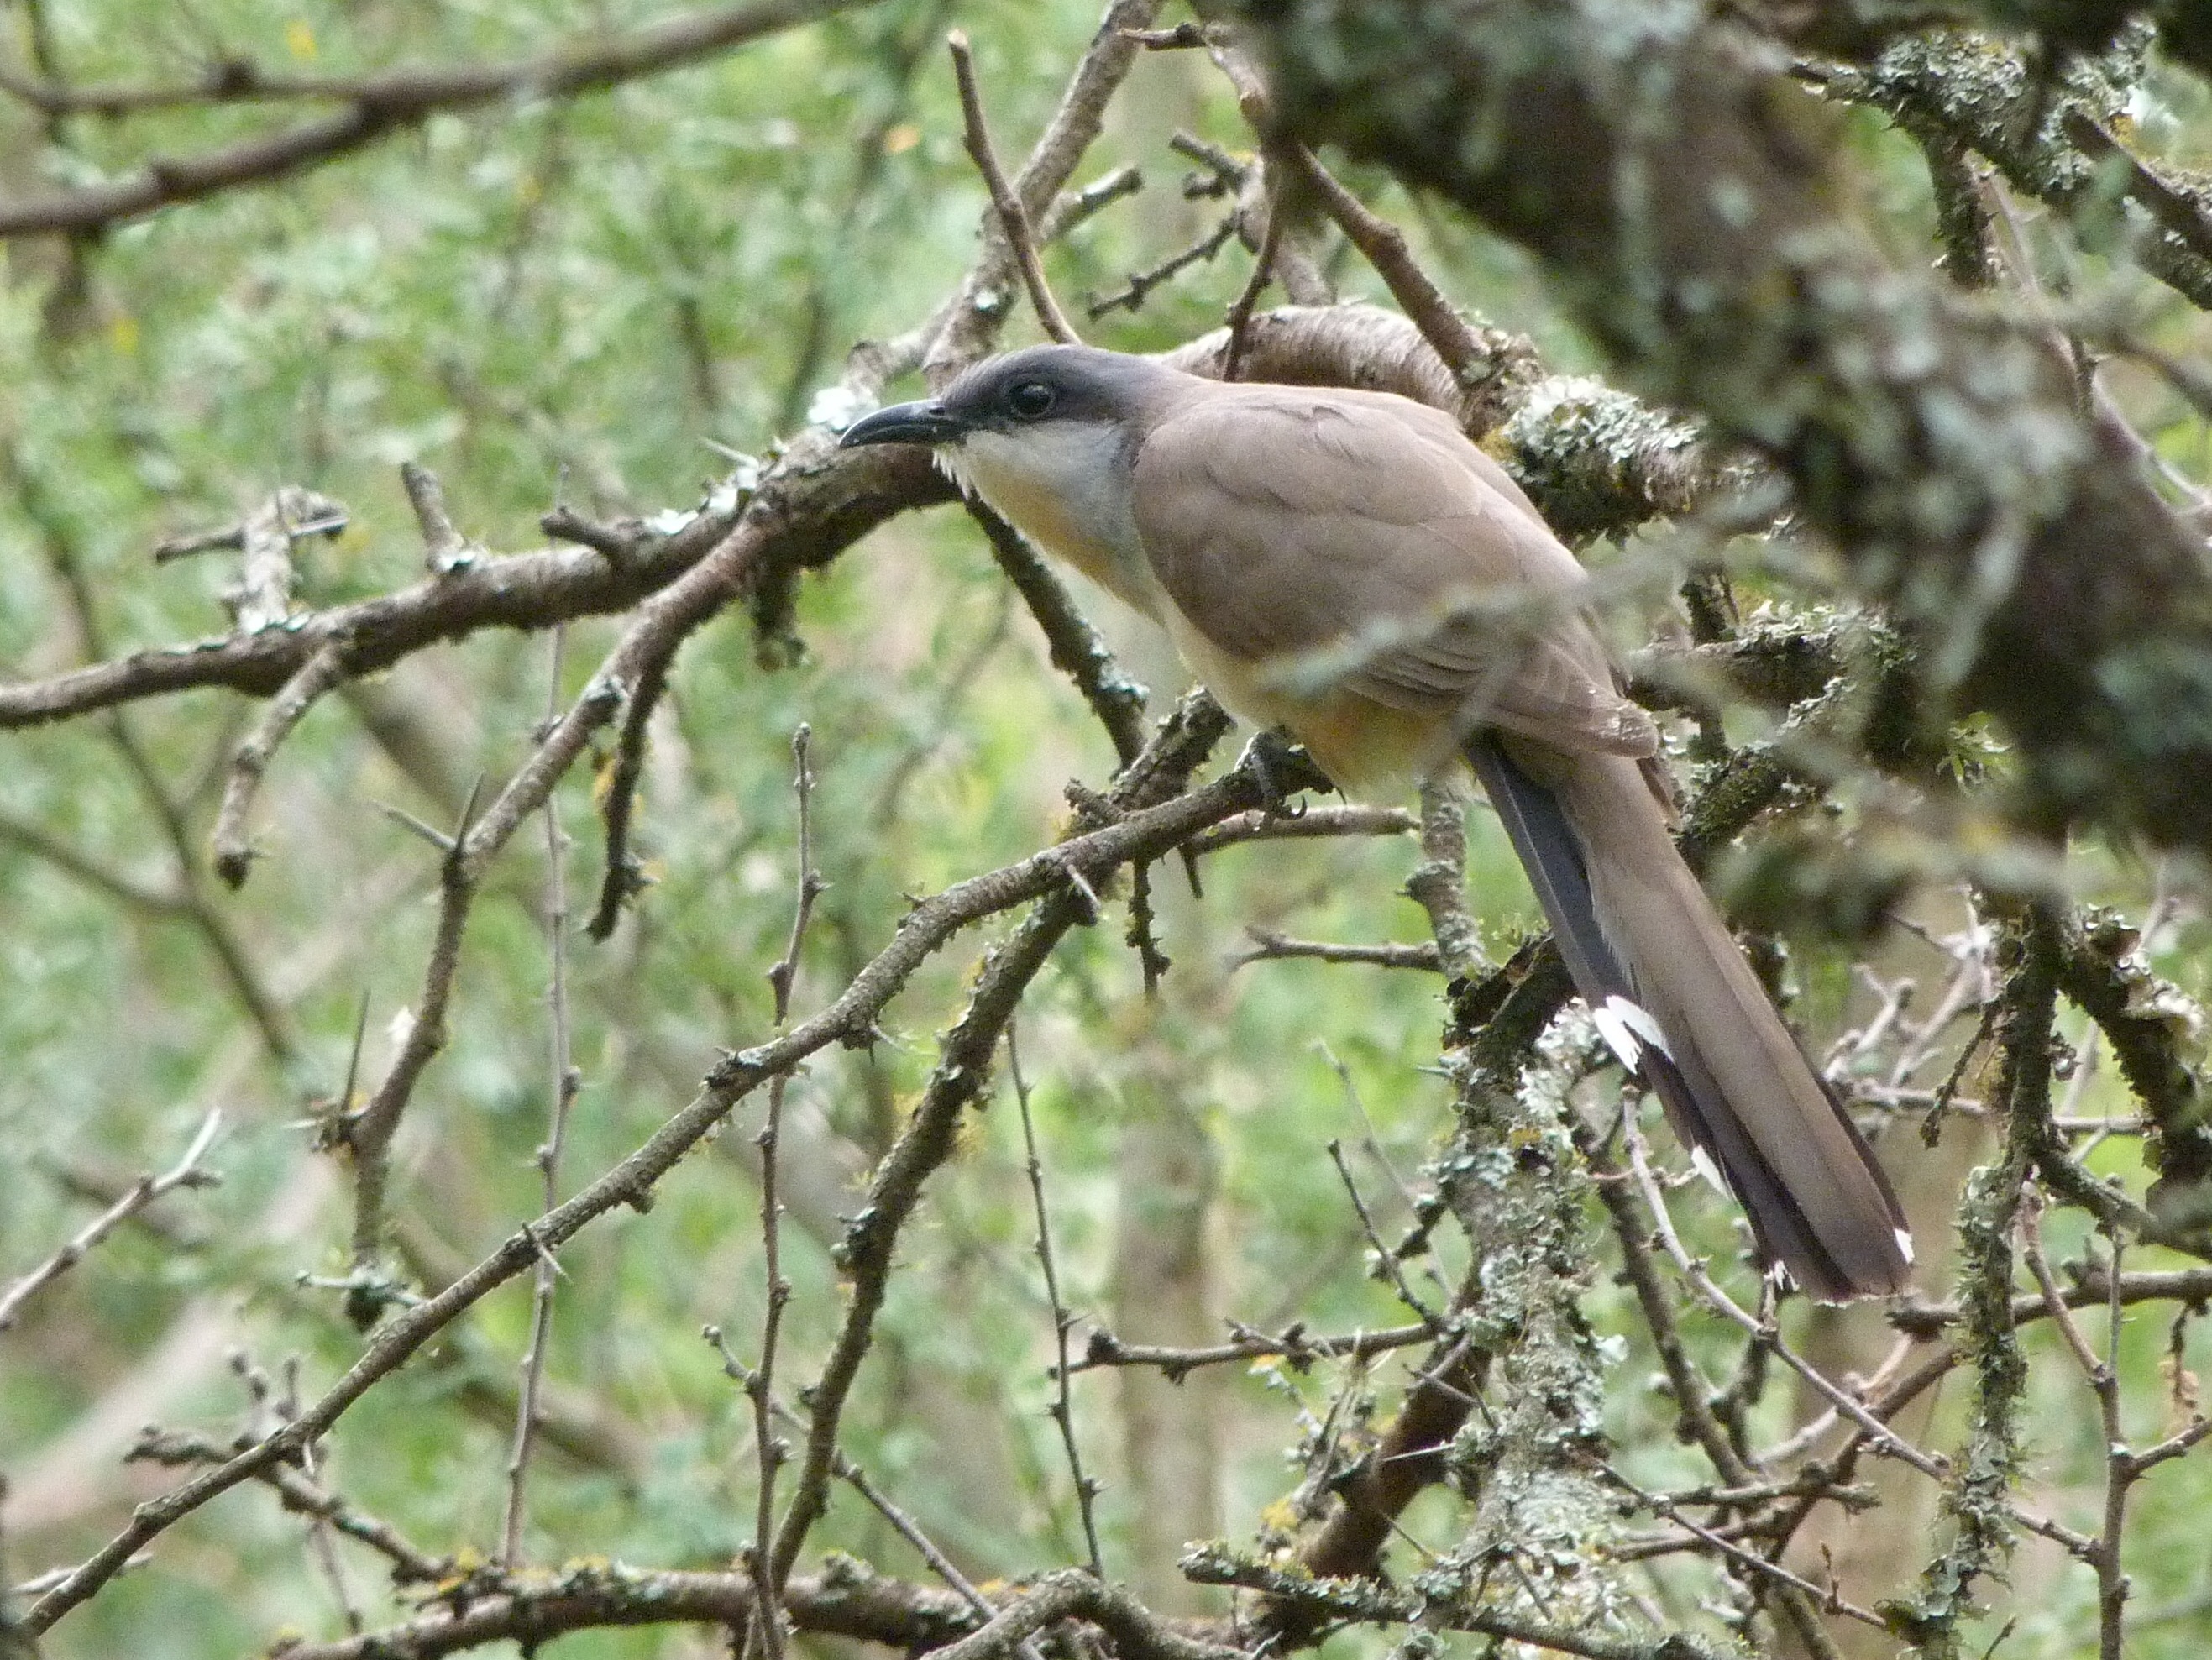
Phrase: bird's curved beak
(926, 423)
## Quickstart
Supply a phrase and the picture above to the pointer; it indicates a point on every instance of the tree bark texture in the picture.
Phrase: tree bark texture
(1683, 193)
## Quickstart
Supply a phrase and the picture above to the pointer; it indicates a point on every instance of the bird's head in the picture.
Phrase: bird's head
(1046, 392)
(1047, 436)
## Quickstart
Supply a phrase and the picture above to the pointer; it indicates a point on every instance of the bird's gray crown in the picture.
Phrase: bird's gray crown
(1055, 383)
(1041, 386)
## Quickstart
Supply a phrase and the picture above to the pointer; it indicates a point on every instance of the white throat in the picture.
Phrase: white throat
(1065, 485)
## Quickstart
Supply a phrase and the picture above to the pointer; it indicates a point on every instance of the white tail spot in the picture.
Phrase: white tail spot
(1628, 1029)
(1702, 1162)
(1617, 1038)
(1904, 1245)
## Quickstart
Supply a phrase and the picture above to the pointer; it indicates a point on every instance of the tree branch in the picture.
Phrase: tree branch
(1147, 833)
(378, 106)
(2042, 576)
(846, 1600)
(185, 1173)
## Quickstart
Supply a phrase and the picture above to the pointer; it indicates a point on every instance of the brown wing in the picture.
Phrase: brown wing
(1283, 522)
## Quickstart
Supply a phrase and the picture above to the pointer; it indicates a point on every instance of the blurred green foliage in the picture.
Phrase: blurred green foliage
(570, 301)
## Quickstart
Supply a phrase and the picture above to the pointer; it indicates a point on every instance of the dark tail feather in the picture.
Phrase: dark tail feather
(1835, 1245)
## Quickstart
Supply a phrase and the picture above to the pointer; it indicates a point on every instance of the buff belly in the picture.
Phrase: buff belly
(1369, 749)
(1055, 496)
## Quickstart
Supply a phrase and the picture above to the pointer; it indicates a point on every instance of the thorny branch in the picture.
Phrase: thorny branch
(760, 1382)
(1013, 217)
(1144, 833)
(186, 1172)
(1063, 1405)
(846, 1600)
(1636, 462)
(372, 108)
(561, 1096)
(866, 1254)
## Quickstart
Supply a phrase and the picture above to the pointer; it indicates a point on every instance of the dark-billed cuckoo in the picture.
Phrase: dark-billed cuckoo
(1271, 528)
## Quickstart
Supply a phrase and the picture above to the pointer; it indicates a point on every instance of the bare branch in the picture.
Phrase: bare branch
(524, 591)
(185, 1173)
(376, 107)
(1292, 1346)
(1132, 293)
(1013, 216)
(1318, 1598)
(850, 1602)
(1270, 946)
(1662, 1505)
(266, 577)
(1072, 1593)
(411, 1563)
(1335, 819)
(760, 1383)
(1063, 1406)
(927, 1139)
(317, 675)
(1146, 833)
(1385, 1265)
(1238, 322)
(976, 314)
(1762, 1331)
(445, 549)
(561, 1096)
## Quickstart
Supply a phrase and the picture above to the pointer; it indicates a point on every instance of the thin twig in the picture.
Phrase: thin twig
(1180, 38)
(1077, 649)
(445, 549)
(367, 1135)
(1485, 371)
(1140, 283)
(319, 675)
(810, 886)
(479, 1612)
(625, 875)
(1013, 220)
(2120, 1473)
(1318, 821)
(322, 1543)
(859, 1480)
(378, 106)
(1063, 1406)
(1269, 946)
(215, 926)
(1239, 319)
(560, 1099)
(2124, 1467)
(760, 1383)
(1292, 1346)
(927, 1139)
(1662, 1505)
(185, 1173)
(411, 1563)
(1368, 1600)
(1694, 1271)
(1386, 1260)
(1146, 831)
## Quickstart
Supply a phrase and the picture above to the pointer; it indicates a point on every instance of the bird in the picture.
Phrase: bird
(1348, 567)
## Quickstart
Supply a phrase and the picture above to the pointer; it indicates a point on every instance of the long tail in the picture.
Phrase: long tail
(1676, 1000)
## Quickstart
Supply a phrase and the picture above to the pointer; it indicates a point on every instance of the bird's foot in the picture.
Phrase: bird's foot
(1282, 768)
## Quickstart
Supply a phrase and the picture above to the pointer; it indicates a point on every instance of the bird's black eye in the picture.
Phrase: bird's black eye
(1030, 400)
